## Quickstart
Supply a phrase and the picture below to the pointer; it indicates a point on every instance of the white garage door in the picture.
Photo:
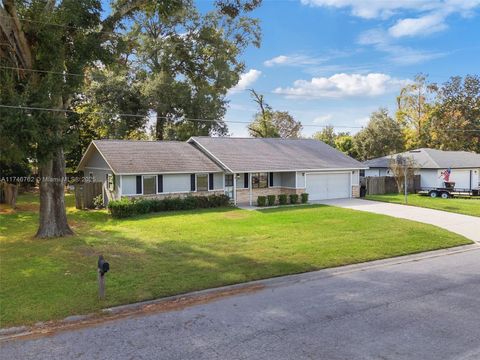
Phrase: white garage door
(328, 186)
(461, 178)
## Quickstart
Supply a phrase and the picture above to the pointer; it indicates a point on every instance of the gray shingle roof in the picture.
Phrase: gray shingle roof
(433, 159)
(254, 154)
(140, 157)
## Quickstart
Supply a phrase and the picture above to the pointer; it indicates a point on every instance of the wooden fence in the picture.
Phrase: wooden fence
(378, 185)
(85, 193)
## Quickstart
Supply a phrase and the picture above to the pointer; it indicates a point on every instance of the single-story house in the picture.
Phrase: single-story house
(242, 168)
(431, 164)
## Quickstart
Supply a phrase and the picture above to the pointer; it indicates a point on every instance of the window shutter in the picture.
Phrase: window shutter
(270, 179)
(245, 180)
(210, 181)
(192, 182)
(139, 184)
(160, 183)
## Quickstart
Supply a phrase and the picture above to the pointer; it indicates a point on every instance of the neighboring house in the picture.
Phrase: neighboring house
(242, 168)
(464, 167)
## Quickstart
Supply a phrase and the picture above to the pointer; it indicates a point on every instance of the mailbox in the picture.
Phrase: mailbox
(103, 266)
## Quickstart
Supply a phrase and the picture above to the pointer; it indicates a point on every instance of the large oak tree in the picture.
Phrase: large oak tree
(48, 46)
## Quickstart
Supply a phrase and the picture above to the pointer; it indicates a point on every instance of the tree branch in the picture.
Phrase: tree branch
(11, 31)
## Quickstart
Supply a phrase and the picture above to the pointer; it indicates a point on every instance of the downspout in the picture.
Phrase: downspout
(119, 193)
(250, 194)
(234, 189)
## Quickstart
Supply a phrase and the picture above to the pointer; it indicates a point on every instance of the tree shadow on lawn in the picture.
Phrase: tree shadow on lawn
(102, 215)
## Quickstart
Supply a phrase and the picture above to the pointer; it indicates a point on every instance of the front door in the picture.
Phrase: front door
(229, 185)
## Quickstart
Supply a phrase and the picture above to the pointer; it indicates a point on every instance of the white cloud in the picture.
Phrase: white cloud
(293, 60)
(370, 9)
(401, 55)
(343, 85)
(424, 18)
(322, 119)
(246, 80)
(420, 26)
(362, 121)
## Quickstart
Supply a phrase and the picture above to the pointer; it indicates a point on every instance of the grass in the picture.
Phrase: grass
(157, 255)
(456, 205)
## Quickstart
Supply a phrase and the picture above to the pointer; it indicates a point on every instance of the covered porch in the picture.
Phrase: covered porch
(245, 187)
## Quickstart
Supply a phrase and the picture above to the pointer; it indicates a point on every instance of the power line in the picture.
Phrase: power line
(162, 117)
(190, 119)
(41, 71)
(60, 25)
(82, 75)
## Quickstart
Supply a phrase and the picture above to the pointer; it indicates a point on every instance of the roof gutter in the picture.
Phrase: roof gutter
(304, 170)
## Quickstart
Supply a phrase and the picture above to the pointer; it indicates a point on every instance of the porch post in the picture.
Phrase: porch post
(250, 195)
(119, 187)
(234, 189)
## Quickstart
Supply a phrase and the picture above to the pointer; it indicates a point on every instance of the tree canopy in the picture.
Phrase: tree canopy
(382, 136)
(87, 71)
(439, 116)
(270, 123)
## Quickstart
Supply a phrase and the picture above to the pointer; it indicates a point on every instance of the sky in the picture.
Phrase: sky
(334, 62)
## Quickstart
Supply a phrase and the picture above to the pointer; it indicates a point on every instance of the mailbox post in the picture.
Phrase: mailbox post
(103, 268)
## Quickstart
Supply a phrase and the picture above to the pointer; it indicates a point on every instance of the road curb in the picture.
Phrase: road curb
(188, 299)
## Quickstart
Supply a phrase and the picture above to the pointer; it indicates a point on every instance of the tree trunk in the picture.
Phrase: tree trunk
(160, 126)
(53, 216)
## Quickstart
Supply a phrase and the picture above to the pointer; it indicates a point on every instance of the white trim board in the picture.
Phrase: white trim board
(86, 152)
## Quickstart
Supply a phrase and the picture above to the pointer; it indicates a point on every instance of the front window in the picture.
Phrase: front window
(202, 182)
(229, 180)
(259, 180)
(149, 186)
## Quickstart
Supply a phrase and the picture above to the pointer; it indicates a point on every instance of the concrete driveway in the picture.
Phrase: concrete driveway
(468, 226)
(419, 308)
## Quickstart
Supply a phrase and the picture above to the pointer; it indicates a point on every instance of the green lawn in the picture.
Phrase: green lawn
(158, 255)
(456, 205)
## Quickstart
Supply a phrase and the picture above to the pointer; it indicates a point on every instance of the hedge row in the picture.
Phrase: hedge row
(125, 207)
(269, 200)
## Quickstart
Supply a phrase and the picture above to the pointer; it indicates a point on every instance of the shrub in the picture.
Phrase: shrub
(304, 198)
(218, 200)
(176, 204)
(202, 202)
(271, 200)
(293, 198)
(121, 208)
(157, 205)
(189, 203)
(261, 201)
(98, 202)
(129, 207)
(282, 199)
(143, 206)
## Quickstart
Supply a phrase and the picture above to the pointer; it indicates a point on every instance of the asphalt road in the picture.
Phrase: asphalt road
(427, 309)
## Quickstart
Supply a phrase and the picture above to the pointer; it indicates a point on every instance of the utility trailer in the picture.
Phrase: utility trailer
(448, 191)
